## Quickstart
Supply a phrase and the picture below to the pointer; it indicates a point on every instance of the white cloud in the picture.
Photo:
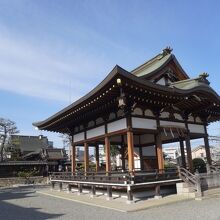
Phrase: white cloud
(28, 70)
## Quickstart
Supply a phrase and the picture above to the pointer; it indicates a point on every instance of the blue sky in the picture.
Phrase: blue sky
(52, 52)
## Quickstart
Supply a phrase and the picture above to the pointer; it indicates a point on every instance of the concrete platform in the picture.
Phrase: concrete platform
(117, 203)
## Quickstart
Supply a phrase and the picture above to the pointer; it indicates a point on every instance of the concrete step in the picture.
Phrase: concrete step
(188, 194)
(188, 189)
(182, 185)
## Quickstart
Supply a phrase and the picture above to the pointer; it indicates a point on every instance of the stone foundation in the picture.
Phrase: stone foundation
(5, 182)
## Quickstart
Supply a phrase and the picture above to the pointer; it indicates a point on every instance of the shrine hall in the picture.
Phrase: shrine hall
(139, 111)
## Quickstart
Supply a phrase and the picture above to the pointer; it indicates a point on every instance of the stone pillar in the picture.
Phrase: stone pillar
(52, 185)
(80, 189)
(73, 159)
(86, 157)
(157, 192)
(97, 157)
(93, 191)
(60, 186)
(107, 155)
(183, 158)
(129, 195)
(207, 147)
(109, 193)
(69, 187)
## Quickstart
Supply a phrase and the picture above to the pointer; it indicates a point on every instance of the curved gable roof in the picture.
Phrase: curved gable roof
(153, 66)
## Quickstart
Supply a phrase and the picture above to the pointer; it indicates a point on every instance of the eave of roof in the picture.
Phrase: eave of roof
(117, 72)
(108, 78)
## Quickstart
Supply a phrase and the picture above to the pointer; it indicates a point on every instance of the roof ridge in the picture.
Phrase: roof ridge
(164, 53)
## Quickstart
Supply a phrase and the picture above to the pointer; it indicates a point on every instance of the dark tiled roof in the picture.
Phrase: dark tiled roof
(29, 143)
(55, 154)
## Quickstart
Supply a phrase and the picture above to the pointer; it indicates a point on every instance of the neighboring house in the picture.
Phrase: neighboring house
(28, 144)
(148, 156)
(199, 152)
(171, 152)
(54, 157)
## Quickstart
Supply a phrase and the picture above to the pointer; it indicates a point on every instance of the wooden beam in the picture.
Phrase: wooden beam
(107, 154)
(86, 157)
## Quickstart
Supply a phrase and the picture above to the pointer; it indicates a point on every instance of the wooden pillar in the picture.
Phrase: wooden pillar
(159, 151)
(97, 157)
(188, 147)
(207, 147)
(189, 153)
(130, 141)
(86, 157)
(73, 159)
(158, 144)
(141, 158)
(122, 152)
(183, 158)
(107, 154)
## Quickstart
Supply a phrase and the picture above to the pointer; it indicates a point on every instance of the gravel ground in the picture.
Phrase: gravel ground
(24, 203)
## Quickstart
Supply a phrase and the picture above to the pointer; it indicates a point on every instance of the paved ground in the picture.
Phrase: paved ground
(25, 204)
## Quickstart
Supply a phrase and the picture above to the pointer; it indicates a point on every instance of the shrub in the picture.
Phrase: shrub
(199, 165)
(26, 174)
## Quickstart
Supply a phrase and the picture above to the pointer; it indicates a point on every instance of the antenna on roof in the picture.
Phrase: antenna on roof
(70, 88)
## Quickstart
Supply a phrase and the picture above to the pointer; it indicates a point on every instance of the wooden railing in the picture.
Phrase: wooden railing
(117, 177)
(100, 177)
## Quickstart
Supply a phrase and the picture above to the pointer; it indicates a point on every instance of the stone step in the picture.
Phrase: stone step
(188, 194)
(181, 185)
(188, 190)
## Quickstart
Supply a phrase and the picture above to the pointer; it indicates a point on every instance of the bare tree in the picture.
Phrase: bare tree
(67, 142)
(7, 128)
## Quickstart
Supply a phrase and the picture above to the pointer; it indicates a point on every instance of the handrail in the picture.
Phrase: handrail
(193, 180)
(214, 168)
(187, 175)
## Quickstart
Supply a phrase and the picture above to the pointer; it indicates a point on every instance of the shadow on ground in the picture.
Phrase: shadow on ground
(11, 211)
